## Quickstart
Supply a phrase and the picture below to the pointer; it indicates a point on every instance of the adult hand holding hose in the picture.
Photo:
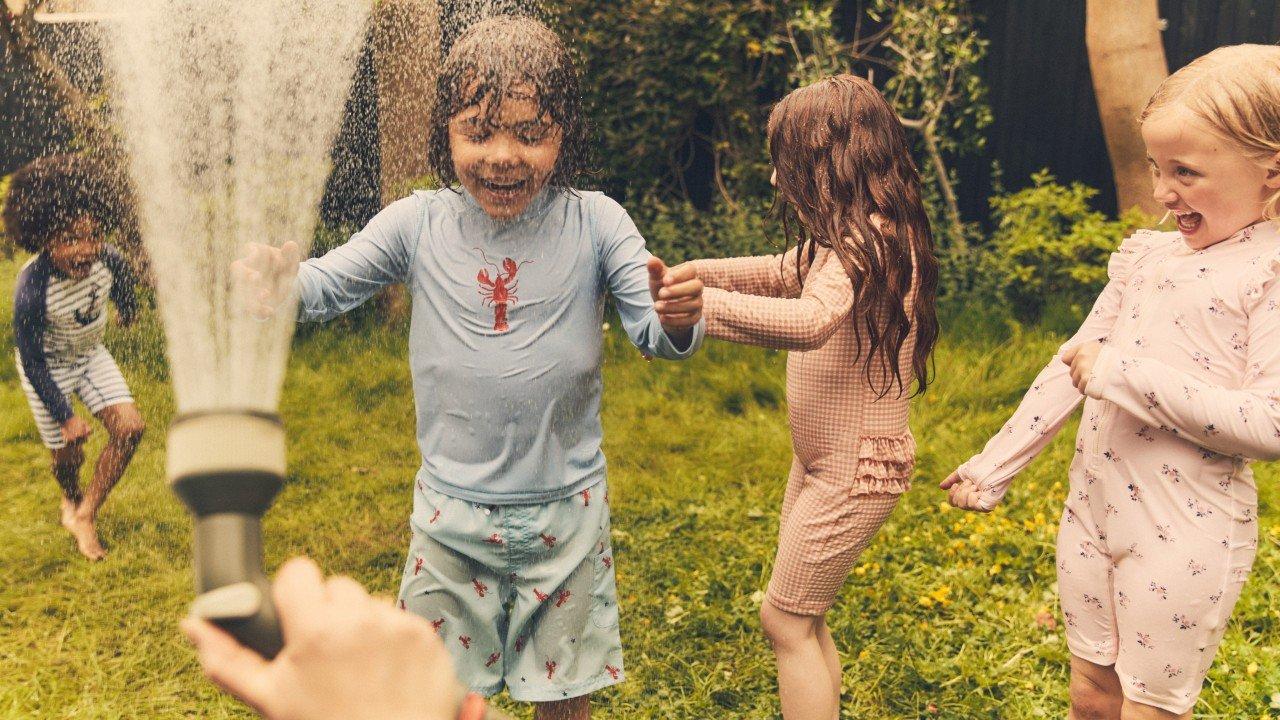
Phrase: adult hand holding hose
(346, 655)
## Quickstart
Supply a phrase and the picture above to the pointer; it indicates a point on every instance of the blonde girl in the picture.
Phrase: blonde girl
(1179, 369)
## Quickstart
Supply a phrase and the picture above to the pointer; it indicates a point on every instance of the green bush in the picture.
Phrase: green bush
(673, 84)
(1051, 248)
(676, 231)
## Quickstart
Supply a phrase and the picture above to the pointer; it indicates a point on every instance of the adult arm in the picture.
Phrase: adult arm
(347, 656)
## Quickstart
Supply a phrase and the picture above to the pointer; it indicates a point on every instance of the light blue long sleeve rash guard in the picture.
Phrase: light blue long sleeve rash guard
(505, 339)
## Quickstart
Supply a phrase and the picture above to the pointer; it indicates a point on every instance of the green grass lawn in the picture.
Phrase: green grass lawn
(939, 619)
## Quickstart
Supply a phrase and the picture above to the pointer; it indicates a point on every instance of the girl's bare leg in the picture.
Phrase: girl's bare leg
(1095, 691)
(832, 657)
(67, 462)
(124, 431)
(805, 685)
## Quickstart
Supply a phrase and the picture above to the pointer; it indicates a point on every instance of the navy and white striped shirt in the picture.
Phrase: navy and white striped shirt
(60, 321)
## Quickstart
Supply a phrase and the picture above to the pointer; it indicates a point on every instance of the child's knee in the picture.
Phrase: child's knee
(1092, 700)
(129, 431)
(784, 629)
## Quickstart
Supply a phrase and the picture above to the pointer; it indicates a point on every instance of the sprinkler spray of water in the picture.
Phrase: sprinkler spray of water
(228, 108)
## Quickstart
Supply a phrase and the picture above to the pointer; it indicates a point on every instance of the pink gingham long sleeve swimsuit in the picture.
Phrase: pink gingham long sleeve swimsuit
(1160, 529)
(853, 451)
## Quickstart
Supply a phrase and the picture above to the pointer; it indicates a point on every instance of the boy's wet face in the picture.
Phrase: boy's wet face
(1212, 188)
(74, 249)
(504, 158)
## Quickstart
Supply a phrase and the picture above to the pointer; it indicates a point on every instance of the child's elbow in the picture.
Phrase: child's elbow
(1267, 449)
(813, 338)
(1259, 442)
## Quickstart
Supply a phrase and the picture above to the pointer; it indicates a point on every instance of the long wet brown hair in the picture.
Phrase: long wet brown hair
(842, 156)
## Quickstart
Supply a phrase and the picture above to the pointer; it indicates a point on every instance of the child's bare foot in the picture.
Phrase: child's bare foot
(86, 535)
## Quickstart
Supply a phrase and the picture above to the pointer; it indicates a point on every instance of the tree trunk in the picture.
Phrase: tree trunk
(1126, 59)
(406, 54)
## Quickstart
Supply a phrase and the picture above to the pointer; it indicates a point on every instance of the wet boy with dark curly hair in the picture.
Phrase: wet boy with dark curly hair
(508, 268)
(59, 208)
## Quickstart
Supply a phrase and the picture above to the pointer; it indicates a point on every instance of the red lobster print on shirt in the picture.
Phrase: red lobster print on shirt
(499, 291)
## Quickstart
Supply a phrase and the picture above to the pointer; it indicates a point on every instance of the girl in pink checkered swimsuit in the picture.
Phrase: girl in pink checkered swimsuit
(1179, 369)
(859, 319)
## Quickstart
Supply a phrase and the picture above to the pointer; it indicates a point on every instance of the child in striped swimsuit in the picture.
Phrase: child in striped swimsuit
(854, 302)
(58, 208)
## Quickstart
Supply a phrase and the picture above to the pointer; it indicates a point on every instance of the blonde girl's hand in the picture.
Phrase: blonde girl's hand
(265, 276)
(1082, 358)
(963, 494)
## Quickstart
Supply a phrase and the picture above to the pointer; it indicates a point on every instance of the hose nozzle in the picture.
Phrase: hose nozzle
(227, 467)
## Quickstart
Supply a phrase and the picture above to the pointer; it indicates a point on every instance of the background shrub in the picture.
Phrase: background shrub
(1050, 248)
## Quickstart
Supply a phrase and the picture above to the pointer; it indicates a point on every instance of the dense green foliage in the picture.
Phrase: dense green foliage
(1050, 248)
(672, 83)
(680, 91)
(948, 615)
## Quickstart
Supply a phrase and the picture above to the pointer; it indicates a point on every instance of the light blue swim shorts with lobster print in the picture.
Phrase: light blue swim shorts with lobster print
(522, 595)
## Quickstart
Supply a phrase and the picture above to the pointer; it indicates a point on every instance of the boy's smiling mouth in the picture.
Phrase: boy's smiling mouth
(504, 189)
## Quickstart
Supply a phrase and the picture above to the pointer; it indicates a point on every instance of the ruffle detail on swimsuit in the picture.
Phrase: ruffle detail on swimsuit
(1133, 248)
(885, 463)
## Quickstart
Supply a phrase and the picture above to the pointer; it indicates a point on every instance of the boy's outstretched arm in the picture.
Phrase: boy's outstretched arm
(625, 268)
(377, 256)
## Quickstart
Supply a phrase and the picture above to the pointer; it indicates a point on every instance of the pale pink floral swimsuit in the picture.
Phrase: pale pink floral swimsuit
(1160, 527)
(853, 451)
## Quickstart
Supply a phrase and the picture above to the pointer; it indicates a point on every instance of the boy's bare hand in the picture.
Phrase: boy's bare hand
(346, 655)
(963, 494)
(75, 430)
(266, 276)
(677, 294)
